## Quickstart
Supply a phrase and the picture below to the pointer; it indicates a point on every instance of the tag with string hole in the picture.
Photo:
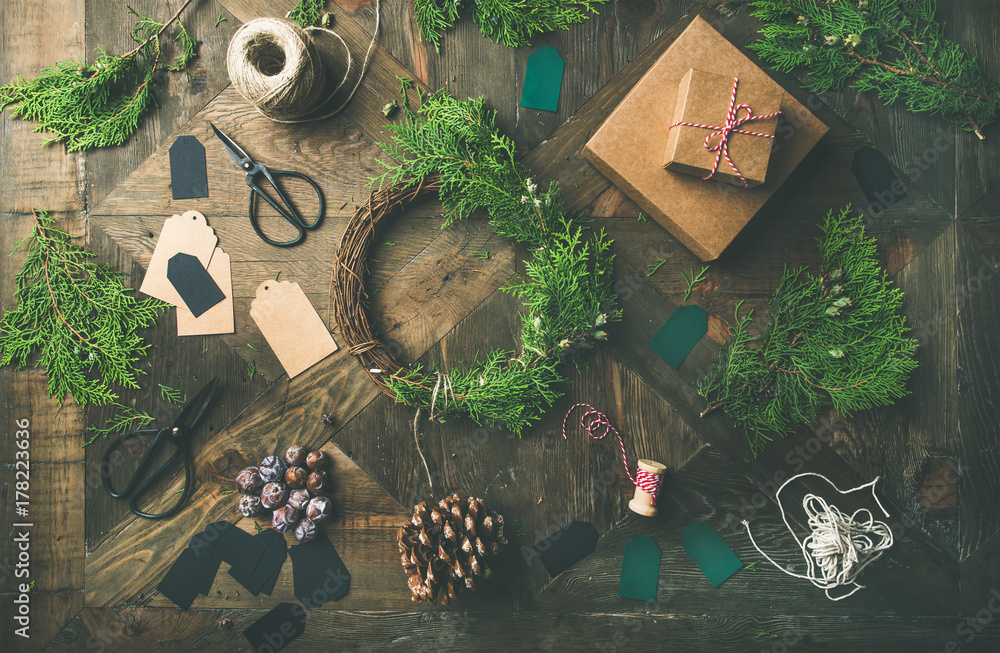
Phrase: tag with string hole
(291, 326)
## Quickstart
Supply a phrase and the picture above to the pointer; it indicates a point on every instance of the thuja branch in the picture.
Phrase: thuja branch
(100, 104)
(837, 340)
(75, 318)
(895, 48)
(511, 22)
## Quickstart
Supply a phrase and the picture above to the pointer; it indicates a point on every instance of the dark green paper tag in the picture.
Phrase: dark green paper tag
(680, 334)
(710, 552)
(640, 569)
(542, 80)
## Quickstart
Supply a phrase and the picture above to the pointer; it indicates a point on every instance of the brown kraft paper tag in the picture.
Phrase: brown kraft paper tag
(188, 233)
(291, 326)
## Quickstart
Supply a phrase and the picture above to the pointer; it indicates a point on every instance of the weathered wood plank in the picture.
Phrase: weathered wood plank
(977, 359)
(914, 443)
(179, 95)
(34, 176)
(142, 628)
(51, 481)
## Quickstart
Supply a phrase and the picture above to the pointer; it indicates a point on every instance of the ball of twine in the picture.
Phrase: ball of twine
(275, 65)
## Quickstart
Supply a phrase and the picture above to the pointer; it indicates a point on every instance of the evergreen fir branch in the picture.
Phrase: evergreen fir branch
(837, 340)
(76, 317)
(894, 48)
(169, 394)
(693, 280)
(123, 419)
(100, 104)
(511, 22)
(653, 267)
(567, 288)
(307, 12)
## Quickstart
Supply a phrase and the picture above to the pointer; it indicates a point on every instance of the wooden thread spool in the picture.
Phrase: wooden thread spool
(642, 502)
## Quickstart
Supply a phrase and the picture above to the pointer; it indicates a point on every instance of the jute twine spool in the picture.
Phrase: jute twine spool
(276, 66)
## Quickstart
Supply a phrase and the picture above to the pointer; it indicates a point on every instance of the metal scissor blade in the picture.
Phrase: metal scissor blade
(195, 408)
(235, 151)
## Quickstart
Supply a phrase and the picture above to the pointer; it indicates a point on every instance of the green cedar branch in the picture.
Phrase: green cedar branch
(307, 12)
(895, 48)
(76, 317)
(510, 22)
(838, 339)
(100, 104)
(567, 288)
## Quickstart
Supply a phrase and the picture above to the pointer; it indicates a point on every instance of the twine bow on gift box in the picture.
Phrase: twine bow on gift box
(732, 126)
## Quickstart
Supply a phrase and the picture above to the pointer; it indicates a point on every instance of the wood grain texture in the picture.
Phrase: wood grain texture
(977, 362)
(142, 629)
(35, 176)
(179, 95)
(52, 563)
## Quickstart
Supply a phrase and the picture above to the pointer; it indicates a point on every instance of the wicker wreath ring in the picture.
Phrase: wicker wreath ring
(350, 271)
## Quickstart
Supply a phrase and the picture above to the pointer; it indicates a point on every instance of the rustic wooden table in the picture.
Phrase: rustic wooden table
(95, 566)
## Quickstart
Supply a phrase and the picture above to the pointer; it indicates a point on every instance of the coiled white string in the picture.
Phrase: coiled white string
(839, 546)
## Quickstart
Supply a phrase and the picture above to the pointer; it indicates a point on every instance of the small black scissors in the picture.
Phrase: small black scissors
(177, 435)
(288, 211)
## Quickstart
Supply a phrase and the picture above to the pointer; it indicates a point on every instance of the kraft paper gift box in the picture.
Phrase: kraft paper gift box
(705, 103)
(629, 147)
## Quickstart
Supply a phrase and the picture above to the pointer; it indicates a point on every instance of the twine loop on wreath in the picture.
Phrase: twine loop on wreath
(276, 66)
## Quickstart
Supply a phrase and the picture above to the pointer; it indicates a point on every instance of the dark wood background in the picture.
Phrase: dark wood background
(936, 451)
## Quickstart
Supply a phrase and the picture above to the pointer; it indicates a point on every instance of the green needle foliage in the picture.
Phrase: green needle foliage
(511, 22)
(567, 286)
(892, 47)
(99, 104)
(307, 12)
(121, 421)
(834, 340)
(77, 317)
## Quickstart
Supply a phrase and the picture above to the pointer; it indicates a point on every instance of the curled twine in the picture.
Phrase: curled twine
(443, 386)
(839, 546)
(648, 483)
(733, 122)
(275, 66)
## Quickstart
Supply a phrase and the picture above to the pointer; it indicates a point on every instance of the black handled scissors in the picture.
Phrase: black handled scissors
(288, 211)
(177, 435)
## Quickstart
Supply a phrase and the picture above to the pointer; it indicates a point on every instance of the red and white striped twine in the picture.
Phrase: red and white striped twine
(648, 483)
(733, 122)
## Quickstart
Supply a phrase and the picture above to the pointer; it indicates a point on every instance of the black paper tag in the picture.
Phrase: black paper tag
(257, 578)
(875, 176)
(186, 577)
(277, 628)
(567, 546)
(193, 283)
(188, 174)
(318, 573)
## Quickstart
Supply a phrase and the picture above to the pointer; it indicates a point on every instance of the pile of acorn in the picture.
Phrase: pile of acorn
(291, 487)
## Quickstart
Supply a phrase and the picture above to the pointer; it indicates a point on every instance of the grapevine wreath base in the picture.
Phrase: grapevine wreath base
(451, 149)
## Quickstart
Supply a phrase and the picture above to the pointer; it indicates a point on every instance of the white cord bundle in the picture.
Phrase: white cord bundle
(839, 546)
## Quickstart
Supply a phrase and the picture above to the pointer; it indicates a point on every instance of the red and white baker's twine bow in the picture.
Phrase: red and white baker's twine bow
(648, 483)
(733, 122)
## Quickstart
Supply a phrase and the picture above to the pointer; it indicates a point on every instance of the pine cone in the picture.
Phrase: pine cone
(444, 548)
